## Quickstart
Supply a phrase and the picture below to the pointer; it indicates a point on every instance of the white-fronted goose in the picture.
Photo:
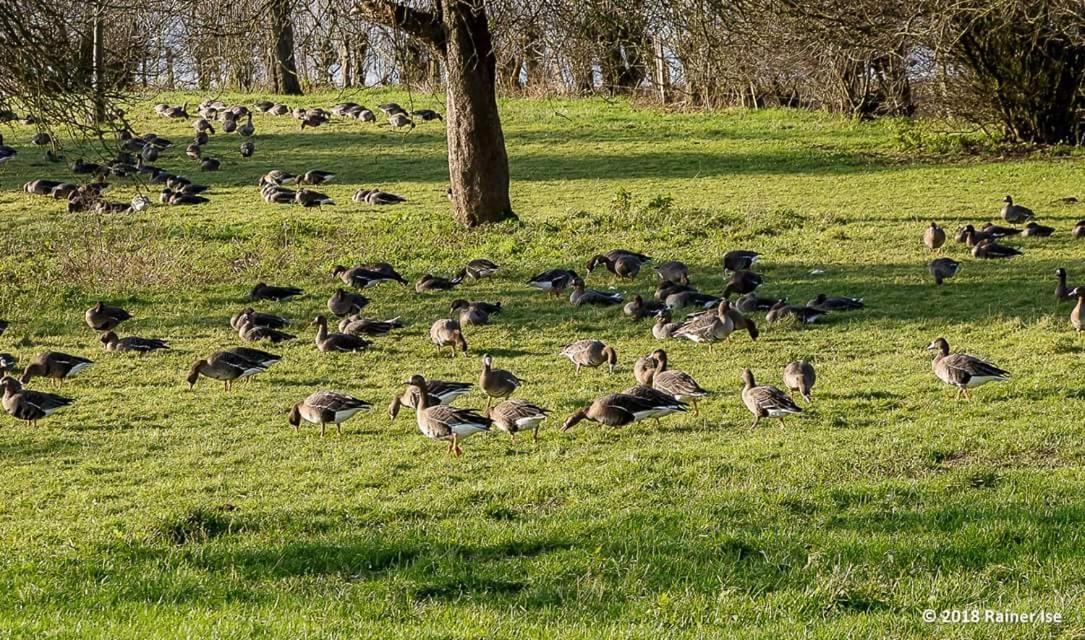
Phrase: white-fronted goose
(400, 120)
(277, 195)
(4, 324)
(1078, 232)
(55, 365)
(210, 164)
(590, 353)
(752, 302)
(766, 401)
(1062, 291)
(639, 309)
(480, 268)
(439, 391)
(132, 343)
(29, 406)
(442, 422)
(624, 265)
(474, 313)
(447, 333)
(513, 416)
(7, 362)
(991, 250)
(554, 281)
(6, 153)
(581, 295)
(362, 326)
(388, 108)
(799, 377)
(496, 383)
(618, 410)
(41, 139)
(365, 276)
(962, 370)
(336, 342)
(676, 383)
(326, 407)
(674, 271)
(41, 187)
(263, 291)
(102, 317)
(996, 231)
(667, 288)
(427, 115)
(644, 369)
(250, 332)
(835, 303)
(690, 298)
(943, 268)
(740, 260)
(344, 303)
(430, 282)
(803, 315)
(224, 366)
(277, 177)
(229, 123)
(664, 329)
(258, 319)
(742, 282)
(247, 129)
(376, 197)
(650, 394)
(934, 237)
(1076, 316)
(1033, 230)
(709, 327)
(309, 198)
(279, 110)
(1015, 213)
(315, 177)
(247, 149)
(262, 358)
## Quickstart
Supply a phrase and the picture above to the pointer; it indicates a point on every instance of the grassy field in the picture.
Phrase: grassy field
(149, 511)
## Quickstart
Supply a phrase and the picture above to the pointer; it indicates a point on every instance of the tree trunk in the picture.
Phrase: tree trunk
(282, 26)
(99, 63)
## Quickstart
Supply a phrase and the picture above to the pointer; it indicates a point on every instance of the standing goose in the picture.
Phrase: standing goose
(480, 268)
(29, 406)
(934, 237)
(590, 353)
(400, 120)
(943, 269)
(766, 401)
(132, 343)
(740, 260)
(667, 288)
(496, 383)
(342, 342)
(664, 329)
(447, 333)
(102, 317)
(675, 383)
(1062, 291)
(651, 394)
(742, 282)
(362, 326)
(554, 281)
(709, 327)
(619, 409)
(835, 303)
(210, 164)
(427, 115)
(581, 295)
(962, 370)
(639, 309)
(344, 303)
(623, 265)
(250, 316)
(246, 130)
(674, 271)
(256, 356)
(1015, 213)
(263, 291)
(442, 422)
(430, 282)
(1077, 316)
(7, 362)
(513, 416)
(225, 366)
(1033, 230)
(55, 365)
(799, 376)
(247, 149)
(326, 407)
(439, 391)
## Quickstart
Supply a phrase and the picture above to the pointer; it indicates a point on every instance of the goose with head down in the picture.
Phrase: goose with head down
(345, 303)
(132, 344)
(740, 260)
(835, 303)
(709, 327)
(800, 377)
(257, 318)
(480, 268)
(514, 416)
(554, 281)
(439, 391)
(623, 264)
(943, 268)
(664, 328)
(225, 366)
(619, 409)
(55, 365)
(639, 308)
(264, 291)
(448, 333)
(102, 317)
(361, 326)
(430, 282)
(742, 282)
(590, 353)
(326, 407)
(376, 197)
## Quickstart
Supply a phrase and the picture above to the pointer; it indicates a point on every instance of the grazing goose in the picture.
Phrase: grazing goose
(1015, 213)
(376, 197)
(496, 383)
(365, 115)
(554, 281)
(400, 120)
(309, 198)
(132, 343)
(1062, 291)
(326, 407)
(943, 269)
(639, 309)
(362, 326)
(257, 319)
(250, 332)
(480, 268)
(667, 288)
(513, 416)
(426, 115)
(55, 365)
(29, 406)
(751, 302)
(315, 177)
(673, 271)
(474, 313)
(6, 153)
(799, 376)
(664, 329)
(581, 296)
(430, 282)
(262, 358)
(709, 327)
(1076, 316)
(225, 366)
(447, 333)
(264, 291)
(934, 237)
(7, 362)
(362, 277)
(442, 422)
(676, 383)
(623, 265)
(1033, 230)
(650, 394)
(439, 391)
(766, 401)
(803, 315)
(835, 303)
(740, 260)
(102, 317)
(742, 282)
(990, 250)
(962, 370)
(590, 353)
(344, 303)
(41, 139)
(391, 107)
(342, 342)
(277, 195)
(1078, 232)
(247, 149)
(996, 231)
(618, 410)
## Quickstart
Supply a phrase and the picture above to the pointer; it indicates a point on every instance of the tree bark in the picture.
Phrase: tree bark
(282, 26)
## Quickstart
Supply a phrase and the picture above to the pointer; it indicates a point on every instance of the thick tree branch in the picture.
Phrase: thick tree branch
(424, 25)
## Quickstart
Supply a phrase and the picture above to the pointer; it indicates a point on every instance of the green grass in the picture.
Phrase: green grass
(148, 511)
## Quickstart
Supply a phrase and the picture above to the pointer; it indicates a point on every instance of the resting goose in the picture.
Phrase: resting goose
(309, 198)
(102, 317)
(766, 401)
(709, 327)
(442, 422)
(644, 369)
(447, 333)
(7, 362)
(480, 268)
(55, 365)
(376, 197)
(279, 110)
(664, 329)
(430, 282)
(1015, 213)
(683, 299)
(365, 276)
(439, 391)
(590, 353)
(400, 120)
(250, 332)
(674, 271)
(277, 177)
(676, 383)
(247, 149)
(513, 416)
(667, 288)
(742, 282)
(943, 269)
(496, 383)
(554, 281)
(1062, 291)
(1078, 232)
(263, 291)
(391, 107)
(581, 296)
(962, 370)
(623, 265)
(934, 237)
(315, 177)
(740, 260)
(225, 366)
(326, 407)
(803, 315)
(1033, 230)
(6, 153)
(996, 231)
(344, 303)
(618, 409)
(210, 164)
(41, 187)
(799, 376)
(132, 343)
(341, 342)
(751, 302)
(474, 313)
(362, 326)
(990, 250)
(258, 319)
(835, 303)
(426, 115)
(639, 309)
(29, 406)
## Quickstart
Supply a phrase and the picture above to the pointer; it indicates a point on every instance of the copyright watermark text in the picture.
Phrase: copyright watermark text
(991, 616)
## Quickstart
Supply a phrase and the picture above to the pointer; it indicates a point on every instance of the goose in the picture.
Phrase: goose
(496, 383)
(442, 422)
(345, 303)
(480, 268)
(400, 120)
(149, 153)
(743, 282)
(644, 369)
(6, 153)
(368, 275)
(581, 296)
(29, 406)
(439, 391)
(473, 313)
(202, 125)
(803, 315)
(934, 237)
(326, 407)
(139, 203)
(210, 164)
(194, 151)
(799, 376)
(315, 177)
(264, 291)
(279, 110)
(835, 303)
(391, 107)
(668, 288)
(376, 197)
(650, 394)
(102, 317)
(308, 198)
(673, 271)
(590, 353)
(313, 119)
(55, 365)
(247, 149)
(63, 190)
(996, 231)
(709, 327)
(277, 195)
(229, 123)
(942, 269)
(365, 115)
(513, 416)
(262, 358)
(962, 370)
(342, 108)
(430, 282)
(1015, 213)
(618, 409)
(676, 383)
(132, 343)
(263, 106)
(427, 115)
(343, 342)
(740, 260)
(751, 302)
(1078, 232)
(224, 366)
(41, 139)
(664, 328)
(362, 326)
(1033, 230)
(554, 281)
(624, 265)
(4, 324)
(7, 362)
(683, 299)
(447, 333)
(1076, 316)
(41, 187)
(277, 177)
(257, 319)
(1062, 291)
(247, 129)
(766, 401)
(639, 309)
(990, 250)
(250, 332)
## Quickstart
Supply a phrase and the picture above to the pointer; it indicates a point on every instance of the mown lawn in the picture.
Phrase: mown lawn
(149, 511)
